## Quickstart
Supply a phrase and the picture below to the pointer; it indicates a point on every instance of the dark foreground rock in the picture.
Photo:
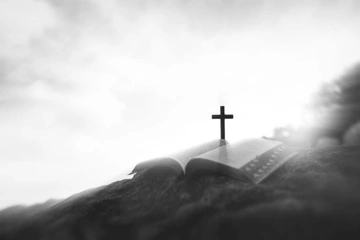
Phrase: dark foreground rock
(316, 195)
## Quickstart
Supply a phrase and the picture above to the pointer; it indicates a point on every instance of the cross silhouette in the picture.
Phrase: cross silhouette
(222, 117)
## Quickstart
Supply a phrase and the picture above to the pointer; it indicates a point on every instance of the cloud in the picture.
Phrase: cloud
(114, 80)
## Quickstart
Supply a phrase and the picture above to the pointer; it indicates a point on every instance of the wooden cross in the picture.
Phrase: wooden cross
(222, 117)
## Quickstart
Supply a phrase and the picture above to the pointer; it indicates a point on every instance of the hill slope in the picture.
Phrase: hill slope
(315, 195)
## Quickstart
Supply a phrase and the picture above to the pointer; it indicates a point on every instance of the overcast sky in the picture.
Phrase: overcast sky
(90, 88)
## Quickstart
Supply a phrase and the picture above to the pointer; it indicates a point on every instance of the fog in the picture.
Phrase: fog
(90, 88)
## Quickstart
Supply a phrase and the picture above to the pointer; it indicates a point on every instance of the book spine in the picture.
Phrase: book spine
(262, 166)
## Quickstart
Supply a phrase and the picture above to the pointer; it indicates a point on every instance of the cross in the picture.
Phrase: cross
(222, 117)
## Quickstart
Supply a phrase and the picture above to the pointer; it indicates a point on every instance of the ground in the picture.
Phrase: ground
(313, 196)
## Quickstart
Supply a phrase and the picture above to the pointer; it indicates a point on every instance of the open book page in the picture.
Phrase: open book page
(163, 161)
(179, 160)
(238, 154)
(184, 156)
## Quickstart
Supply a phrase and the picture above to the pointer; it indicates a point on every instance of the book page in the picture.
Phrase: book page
(238, 154)
(184, 156)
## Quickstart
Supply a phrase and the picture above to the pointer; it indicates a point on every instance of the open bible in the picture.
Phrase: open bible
(254, 159)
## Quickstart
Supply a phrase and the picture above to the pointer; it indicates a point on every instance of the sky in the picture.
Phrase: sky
(88, 88)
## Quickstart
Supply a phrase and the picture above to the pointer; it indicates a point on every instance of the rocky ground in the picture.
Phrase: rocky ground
(313, 196)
